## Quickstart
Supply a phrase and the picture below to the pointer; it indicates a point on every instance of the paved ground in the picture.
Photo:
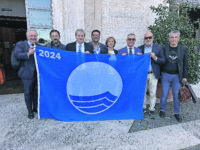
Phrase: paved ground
(190, 114)
(189, 111)
(17, 132)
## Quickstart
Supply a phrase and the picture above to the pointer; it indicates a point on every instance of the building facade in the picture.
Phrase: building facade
(113, 18)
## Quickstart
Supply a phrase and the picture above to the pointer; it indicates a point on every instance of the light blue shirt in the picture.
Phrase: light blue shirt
(148, 50)
(97, 50)
(30, 44)
(82, 47)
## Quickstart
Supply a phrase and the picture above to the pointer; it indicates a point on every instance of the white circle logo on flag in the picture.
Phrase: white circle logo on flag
(94, 87)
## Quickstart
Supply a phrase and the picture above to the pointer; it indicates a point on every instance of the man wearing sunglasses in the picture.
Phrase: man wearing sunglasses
(98, 47)
(157, 58)
(130, 49)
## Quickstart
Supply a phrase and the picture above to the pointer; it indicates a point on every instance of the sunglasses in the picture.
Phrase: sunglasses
(131, 39)
(95, 35)
(150, 37)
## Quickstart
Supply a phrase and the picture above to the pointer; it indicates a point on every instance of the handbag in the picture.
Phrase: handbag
(184, 94)
(194, 97)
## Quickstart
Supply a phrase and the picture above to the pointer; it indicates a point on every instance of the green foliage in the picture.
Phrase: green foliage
(177, 18)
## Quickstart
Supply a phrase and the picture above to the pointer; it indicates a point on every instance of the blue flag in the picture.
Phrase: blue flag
(85, 87)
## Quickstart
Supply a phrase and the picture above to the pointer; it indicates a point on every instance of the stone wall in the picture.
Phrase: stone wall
(113, 18)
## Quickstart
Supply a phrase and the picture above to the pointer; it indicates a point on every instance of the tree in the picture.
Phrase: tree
(176, 17)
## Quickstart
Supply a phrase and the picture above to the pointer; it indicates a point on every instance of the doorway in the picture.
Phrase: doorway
(12, 30)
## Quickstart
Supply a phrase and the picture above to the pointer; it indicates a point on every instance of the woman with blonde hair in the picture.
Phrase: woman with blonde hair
(110, 43)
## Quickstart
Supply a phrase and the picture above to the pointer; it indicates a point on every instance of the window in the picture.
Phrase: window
(40, 17)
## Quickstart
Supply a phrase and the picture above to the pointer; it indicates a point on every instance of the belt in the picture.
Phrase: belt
(150, 72)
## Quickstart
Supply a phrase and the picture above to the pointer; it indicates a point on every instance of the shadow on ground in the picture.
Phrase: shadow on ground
(189, 111)
(13, 84)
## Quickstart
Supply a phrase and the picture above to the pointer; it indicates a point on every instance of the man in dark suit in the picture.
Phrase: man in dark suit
(174, 72)
(130, 49)
(27, 71)
(98, 47)
(157, 58)
(55, 40)
(79, 45)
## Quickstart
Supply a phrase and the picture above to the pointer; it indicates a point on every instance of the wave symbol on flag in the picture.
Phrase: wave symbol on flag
(94, 87)
(93, 104)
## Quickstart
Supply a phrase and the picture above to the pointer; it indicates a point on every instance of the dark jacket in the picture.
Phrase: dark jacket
(103, 48)
(51, 45)
(72, 47)
(125, 50)
(182, 60)
(27, 67)
(155, 64)
(115, 51)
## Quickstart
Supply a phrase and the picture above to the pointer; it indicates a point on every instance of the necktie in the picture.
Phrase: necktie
(79, 48)
(130, 51)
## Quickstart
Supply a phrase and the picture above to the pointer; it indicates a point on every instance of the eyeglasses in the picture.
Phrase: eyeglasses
(150, 37)
(131, 39)
(95, 35)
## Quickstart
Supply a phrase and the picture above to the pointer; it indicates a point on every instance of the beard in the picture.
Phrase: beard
(148, 43)
(55, 41)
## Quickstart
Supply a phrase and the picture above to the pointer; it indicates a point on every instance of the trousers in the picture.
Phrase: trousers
(151, 86)
(30, 92)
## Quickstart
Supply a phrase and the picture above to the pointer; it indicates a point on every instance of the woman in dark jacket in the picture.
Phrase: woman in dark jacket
(110, 43)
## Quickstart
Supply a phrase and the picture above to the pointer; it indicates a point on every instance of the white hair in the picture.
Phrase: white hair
(175, 32)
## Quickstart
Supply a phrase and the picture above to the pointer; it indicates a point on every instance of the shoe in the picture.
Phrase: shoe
(151, 112)
(178, 117)
(162, 114)
(30, 115)
(35, 110)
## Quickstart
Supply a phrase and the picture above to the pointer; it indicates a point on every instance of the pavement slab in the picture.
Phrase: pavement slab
(20, 133)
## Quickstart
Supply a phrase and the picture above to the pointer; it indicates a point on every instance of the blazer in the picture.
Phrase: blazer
(155, 64)
(115, 51)
(103, 48)
(27, 68)
(72, 47)
(182, 53)
(125, 50)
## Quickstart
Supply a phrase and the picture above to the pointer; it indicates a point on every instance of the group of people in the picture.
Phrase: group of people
(169, 62)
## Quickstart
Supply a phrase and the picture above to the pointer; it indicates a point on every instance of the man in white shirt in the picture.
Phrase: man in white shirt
(130, 49)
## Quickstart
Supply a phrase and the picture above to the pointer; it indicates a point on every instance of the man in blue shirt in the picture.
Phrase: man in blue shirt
(157, 58)
(98, 47)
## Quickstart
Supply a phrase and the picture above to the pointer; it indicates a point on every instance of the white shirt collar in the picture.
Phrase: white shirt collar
(29, 43)
(133, 49)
